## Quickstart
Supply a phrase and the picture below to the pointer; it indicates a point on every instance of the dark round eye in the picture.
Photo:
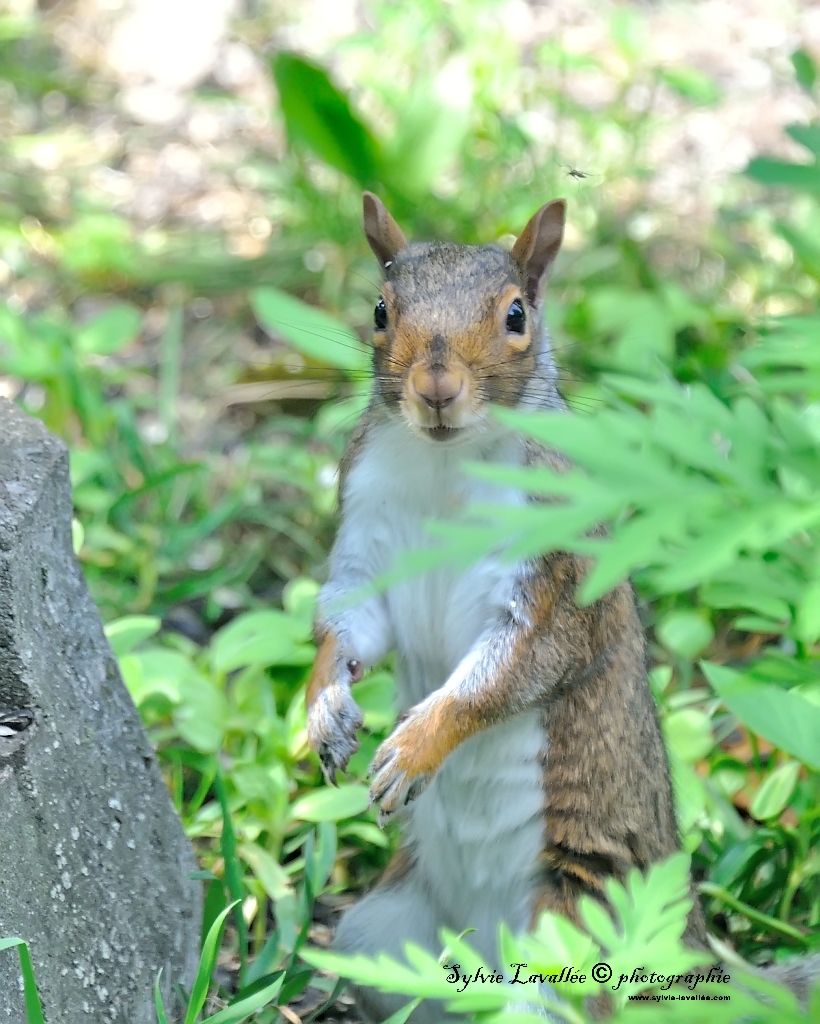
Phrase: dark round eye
(380, 315)
(516, 318)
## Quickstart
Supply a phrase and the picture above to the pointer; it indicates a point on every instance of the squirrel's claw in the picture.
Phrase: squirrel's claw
(332, 723)
(392, 788)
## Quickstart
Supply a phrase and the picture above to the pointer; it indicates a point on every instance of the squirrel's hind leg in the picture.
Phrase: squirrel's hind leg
(397, 911)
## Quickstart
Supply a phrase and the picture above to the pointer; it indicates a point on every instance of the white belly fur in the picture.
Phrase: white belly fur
(477, 830)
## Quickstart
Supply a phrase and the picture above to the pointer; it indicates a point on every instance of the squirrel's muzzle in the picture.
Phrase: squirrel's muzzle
(437, 390)
(437, 399)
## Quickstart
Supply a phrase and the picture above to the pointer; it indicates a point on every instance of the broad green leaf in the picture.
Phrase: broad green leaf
(807, 135)
(804, 177)
(319, 115)
(310, 330)
(157, 671)
(366, 831)
(690, 793)
(202, 714)
(275, 881)
(331, 804)
(688, 733)
(111, 331)
(126, 633)
(784, 718)
(685, 633)
(776, 791)
(692, 84)
(375, 696)
(807, 620)
(263, 638)
(805, 70)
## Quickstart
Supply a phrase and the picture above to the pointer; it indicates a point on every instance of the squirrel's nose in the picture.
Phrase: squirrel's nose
(438, 390)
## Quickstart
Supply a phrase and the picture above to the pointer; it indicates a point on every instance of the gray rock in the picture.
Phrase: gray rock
(94, 865)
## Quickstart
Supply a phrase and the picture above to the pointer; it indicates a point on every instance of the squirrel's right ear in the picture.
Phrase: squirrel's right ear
(385, 236)
(537, 246)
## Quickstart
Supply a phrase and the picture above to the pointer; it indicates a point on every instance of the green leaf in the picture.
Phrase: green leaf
(331, 804)
(807, 135)
(34, 1009)
(111, 331)
(689, 734)
(319, 116)
(207, 963)
(784, 718)
(234, 880)
(77, 536)
(261, 638)
(402, 1015)
(202, 714)
(275, 880)
(774, 795)
(804, 177)
(241, 1010)
(431, 131)
(807, 620)
(642, 325)
(692, 84)
(162, 1017)
(805, 70)
(310, 330)
(375, 696)
(126, 633)
(685, 633)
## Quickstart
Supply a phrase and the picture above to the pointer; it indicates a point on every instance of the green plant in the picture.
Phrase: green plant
(34, 1009)
(643, 930)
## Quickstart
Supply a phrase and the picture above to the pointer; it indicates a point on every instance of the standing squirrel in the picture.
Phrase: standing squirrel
(528, 759)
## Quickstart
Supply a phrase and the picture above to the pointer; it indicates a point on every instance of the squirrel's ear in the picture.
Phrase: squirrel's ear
(383, 233)
(537, 246)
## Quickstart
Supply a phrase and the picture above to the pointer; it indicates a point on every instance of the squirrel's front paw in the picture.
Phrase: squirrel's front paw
(332, 722)
(402, 767)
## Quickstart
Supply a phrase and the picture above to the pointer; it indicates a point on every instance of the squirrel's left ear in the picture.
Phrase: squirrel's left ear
(383, 233)
(537, 246)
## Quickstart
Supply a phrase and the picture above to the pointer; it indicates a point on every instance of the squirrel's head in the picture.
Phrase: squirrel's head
(459, 326)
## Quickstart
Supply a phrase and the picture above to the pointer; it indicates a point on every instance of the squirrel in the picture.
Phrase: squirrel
(528, 761)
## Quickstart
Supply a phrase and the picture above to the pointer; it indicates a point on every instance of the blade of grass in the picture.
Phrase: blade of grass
(31, 998)
(207, 962)
(245, 1007)
(233, 873)
(162, 1017)
(169, 368)
(338, 988)
(770, 923)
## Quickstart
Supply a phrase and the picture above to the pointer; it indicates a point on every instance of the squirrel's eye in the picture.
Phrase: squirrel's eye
(516, 318)
(380, 315)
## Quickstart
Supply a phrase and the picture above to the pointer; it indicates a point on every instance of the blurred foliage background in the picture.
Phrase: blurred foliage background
(185, 286)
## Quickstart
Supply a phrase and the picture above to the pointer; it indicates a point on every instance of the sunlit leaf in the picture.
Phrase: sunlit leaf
(309, 329)
(319, 115)
(784, 718)
(331, 804)
(775, 792)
